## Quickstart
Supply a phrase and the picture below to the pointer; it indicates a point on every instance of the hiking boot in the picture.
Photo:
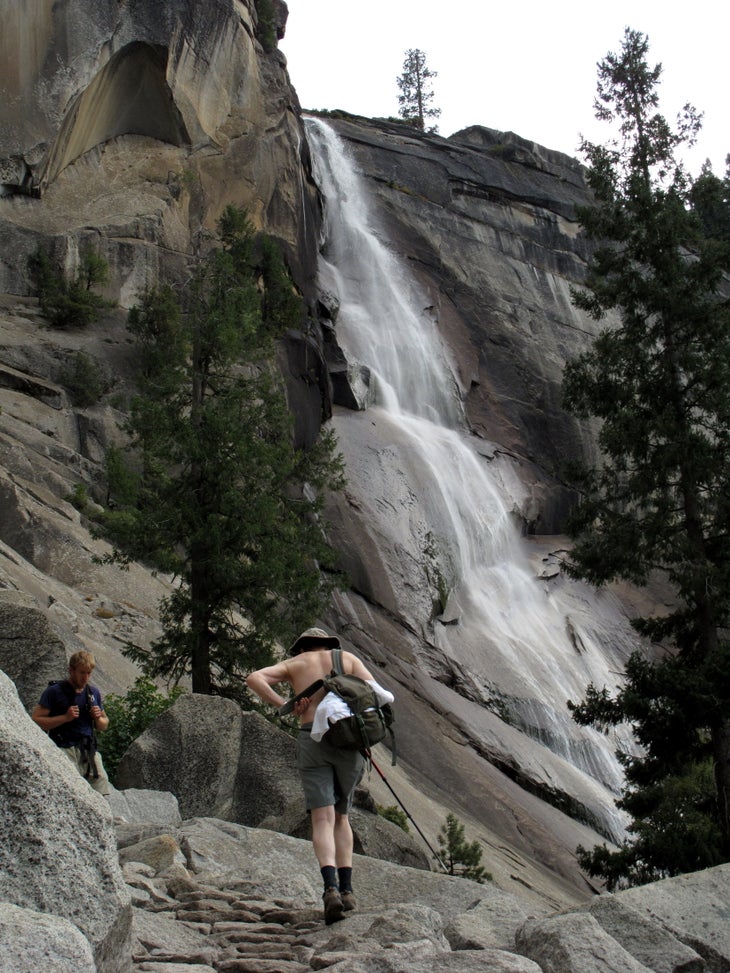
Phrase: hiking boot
(348, 901)
(333, 906)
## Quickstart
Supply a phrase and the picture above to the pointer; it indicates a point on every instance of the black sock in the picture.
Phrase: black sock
(345, 875)
(329, 876)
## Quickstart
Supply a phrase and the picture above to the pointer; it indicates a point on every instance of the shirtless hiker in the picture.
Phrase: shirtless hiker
(329, 776)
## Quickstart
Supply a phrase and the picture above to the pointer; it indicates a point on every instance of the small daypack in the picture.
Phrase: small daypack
(369, 723)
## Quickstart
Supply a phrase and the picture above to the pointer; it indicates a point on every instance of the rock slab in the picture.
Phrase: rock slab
(58, 853)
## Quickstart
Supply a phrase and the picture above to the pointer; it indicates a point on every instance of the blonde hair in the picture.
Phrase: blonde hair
(82, 658)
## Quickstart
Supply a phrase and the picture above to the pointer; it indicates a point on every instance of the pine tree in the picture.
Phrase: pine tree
(460, 856)
(710, 197)
(222, 499)
(658, 378)
(416, 93)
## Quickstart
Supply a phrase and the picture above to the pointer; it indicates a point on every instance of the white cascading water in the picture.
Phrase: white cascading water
(513, 631)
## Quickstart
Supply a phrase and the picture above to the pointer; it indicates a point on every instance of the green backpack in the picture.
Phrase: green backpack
(369, 723)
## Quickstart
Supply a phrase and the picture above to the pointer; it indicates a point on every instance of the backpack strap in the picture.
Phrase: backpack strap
(337, 668)
(66, 688)
(66, 697)
(87, 747)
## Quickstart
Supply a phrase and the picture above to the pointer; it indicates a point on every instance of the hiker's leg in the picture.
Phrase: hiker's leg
(100, 783)
(342, 841)
(343, 847)
(323, 840)
(323, 835)
(73, 755)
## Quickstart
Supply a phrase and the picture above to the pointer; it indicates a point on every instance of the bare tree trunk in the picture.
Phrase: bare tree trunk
(200, 620)
(721, 752)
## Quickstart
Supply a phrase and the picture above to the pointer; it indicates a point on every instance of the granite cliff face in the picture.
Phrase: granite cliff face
(77, 76)
(131, 125)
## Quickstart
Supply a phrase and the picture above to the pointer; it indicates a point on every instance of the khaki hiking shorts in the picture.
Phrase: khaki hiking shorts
(329, 775)
(100, 783)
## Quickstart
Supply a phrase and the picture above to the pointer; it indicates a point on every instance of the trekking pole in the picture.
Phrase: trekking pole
(406, 811)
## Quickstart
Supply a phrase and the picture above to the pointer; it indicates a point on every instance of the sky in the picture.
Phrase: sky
(523, 66)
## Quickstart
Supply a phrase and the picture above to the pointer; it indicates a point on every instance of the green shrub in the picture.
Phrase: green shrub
(281, 306)
(70, 303)
(266, 29)
(79, 498)
(84, 380)
(123, 480)
(394, 814)
(129, 716)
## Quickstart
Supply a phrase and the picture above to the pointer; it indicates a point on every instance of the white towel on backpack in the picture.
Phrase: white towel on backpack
(332, 709)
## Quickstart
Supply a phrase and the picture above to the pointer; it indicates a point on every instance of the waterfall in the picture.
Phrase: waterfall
(526, 643)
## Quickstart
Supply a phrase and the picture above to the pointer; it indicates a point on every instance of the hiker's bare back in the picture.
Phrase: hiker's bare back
(300, 672)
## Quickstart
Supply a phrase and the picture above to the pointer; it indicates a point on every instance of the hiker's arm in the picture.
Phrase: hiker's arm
(262, 682)
(99, 718)
(46, 722)
(358, 668)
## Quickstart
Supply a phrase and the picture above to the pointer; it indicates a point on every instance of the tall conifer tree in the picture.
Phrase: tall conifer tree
(223, 500)
(658, 378)
(710, 197)
(416, 93)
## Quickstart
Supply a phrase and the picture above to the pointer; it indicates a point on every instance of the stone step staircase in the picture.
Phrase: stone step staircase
(244, 931)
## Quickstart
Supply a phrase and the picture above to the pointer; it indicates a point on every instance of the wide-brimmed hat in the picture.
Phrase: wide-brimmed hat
(314, 636)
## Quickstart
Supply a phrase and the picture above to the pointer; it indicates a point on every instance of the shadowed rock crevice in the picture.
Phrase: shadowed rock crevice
(129, 96)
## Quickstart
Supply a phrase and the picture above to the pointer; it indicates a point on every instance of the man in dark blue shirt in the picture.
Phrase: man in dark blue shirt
(70, 712)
